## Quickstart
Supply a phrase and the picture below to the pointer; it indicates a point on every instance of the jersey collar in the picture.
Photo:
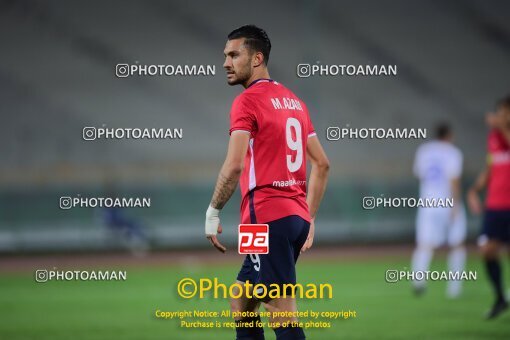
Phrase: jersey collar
(260, 80)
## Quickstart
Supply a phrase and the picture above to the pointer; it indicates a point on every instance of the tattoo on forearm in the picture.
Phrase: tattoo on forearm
(224, 189)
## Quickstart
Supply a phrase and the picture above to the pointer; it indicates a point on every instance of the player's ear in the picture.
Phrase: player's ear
(258, 59)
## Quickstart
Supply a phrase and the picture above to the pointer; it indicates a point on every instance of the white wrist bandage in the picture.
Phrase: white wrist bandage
(212, 221)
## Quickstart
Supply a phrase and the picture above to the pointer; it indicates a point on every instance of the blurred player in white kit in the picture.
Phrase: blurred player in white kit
(438, 166)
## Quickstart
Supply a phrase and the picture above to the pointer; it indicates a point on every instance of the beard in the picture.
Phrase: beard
(241, 76)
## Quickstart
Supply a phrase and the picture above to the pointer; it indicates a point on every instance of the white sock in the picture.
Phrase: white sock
(456, 262)
(421, 262)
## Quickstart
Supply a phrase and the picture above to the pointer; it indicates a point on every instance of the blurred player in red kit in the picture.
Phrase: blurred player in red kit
(496, 220)
(271, 138)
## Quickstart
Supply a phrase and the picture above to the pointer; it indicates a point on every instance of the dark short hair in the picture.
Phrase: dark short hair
(256, 39)
(504, 102)
(443, 130)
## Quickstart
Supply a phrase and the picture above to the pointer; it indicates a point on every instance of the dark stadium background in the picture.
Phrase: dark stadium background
(57, 75)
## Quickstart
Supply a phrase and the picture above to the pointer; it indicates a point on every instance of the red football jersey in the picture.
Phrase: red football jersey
(498, 191)
(273, 182)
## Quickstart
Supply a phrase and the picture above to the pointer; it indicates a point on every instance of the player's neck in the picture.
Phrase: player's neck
(262, 74)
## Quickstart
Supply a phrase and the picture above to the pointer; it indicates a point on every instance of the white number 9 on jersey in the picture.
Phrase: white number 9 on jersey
(295, 145)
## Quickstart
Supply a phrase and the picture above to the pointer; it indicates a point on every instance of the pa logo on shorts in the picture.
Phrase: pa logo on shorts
(253, 239)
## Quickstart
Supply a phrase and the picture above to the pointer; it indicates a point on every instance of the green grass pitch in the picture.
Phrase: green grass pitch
(125, 310)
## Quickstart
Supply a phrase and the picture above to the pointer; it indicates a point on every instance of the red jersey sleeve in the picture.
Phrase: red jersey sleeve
(311, 129)
(242, 116)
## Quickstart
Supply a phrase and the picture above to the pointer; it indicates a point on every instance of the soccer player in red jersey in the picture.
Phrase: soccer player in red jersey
(271, 138)
(496, 220)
